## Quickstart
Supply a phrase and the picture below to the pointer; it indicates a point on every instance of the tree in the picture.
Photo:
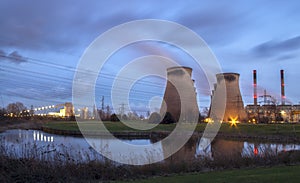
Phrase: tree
(168, 119)
(154, 118)
(114, 117)
(2, 113)
(15, 108)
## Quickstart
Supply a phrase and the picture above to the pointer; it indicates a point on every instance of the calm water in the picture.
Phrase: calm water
(40, 145)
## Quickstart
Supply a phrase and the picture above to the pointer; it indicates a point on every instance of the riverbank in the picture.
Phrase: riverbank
(22, 124)
(252, 132)
(277, 174)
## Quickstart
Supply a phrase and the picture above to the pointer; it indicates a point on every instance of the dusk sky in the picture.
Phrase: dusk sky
(41, 43)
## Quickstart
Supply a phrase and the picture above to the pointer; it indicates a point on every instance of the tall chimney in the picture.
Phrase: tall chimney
(282, 87)
(254, 88)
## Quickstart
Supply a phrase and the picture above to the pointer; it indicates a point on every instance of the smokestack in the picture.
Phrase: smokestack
(282, 87)
(254, 88)
(180, 96)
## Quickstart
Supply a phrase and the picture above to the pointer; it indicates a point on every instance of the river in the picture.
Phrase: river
(58, 148)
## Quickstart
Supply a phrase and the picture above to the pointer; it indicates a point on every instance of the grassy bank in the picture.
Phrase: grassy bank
(21, 124)
(205, 170)
(291, 130)
(273, 174)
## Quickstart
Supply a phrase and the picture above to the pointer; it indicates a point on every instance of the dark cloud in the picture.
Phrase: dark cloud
(57, 26)
(277, 48)
(44, 25)
(217, 24)
(13, 57)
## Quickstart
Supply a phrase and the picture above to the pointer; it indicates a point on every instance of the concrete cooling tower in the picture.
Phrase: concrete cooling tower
(180, 96)
(234, 109)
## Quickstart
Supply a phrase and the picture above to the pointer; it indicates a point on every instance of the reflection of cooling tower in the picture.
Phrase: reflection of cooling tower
(234, 103)
(180, 95)
(222, 149)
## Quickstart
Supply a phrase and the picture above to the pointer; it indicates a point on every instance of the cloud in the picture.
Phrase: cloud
(219, 24)
(13, 57)
(57, 93)
(277, 48)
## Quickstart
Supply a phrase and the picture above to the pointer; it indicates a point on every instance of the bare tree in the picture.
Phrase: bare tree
(15, 108)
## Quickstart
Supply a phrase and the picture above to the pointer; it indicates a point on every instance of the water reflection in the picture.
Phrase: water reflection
(39, 136)
(220, 148)
(44, 146)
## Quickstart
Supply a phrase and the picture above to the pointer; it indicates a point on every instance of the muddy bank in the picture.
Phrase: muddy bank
(21, 124)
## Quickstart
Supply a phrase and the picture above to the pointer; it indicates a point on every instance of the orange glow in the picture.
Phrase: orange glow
(255, 151)
(208, 120)
(233, 121)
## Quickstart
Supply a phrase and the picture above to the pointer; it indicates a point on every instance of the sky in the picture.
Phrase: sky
(41, 43)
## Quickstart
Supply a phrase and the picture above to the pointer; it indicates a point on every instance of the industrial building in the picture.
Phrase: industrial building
(65, 110)
(269, 110)
(180, 99)
(234, 106)
(180, 95)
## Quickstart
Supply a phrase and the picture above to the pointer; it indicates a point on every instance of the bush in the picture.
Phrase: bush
(114, 117)
(154, 118)
(168, 119)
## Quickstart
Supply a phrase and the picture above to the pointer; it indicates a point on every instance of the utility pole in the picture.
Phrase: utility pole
(122, 109)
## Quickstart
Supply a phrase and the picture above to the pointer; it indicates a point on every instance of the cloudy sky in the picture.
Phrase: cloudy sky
(41, 43)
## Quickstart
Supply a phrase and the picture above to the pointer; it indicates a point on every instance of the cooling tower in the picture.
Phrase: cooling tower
(180, 96)
(234, 109)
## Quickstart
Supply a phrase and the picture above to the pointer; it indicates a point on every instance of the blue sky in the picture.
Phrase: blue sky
(41, 44)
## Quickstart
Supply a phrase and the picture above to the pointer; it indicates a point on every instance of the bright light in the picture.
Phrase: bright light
(208, 120)
(233, 121)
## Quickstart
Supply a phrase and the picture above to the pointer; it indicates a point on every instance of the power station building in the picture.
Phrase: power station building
(234, 106)
(180, 99)
(269, 110)
(180, 95)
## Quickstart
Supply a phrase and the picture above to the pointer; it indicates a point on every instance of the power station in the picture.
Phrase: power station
(269, 110)
(180, 96)
(234, 107)
(180, 87)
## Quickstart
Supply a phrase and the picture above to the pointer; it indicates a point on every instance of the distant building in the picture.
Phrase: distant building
(273, 113)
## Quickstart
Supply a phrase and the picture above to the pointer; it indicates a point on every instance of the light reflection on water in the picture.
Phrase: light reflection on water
(45, 146)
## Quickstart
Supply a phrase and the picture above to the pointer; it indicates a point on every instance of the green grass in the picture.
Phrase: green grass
(274, 174)
(244, 129)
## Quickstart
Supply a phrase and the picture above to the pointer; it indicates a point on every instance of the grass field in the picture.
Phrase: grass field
(280, 174)
(245, 129)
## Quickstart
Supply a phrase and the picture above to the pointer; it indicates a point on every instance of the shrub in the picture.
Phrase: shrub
(154, 118)
(114, 117)
(168, 119)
